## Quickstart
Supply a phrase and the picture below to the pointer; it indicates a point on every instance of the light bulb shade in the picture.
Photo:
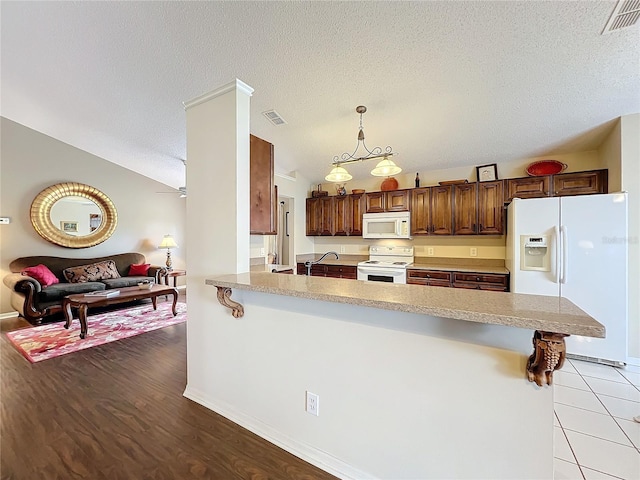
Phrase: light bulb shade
(168, 242)
(385, 168)
(338, 174)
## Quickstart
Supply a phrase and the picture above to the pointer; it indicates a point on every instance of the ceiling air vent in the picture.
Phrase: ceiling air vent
(275, 118)
(626, 14)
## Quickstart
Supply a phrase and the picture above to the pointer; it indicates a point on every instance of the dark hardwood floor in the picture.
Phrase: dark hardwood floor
(117, 412)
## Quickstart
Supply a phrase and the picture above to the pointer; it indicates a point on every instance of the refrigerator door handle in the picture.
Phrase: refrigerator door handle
(565, 260)
(556, 239)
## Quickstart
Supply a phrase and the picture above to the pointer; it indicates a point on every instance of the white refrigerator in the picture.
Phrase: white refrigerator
(575, 247)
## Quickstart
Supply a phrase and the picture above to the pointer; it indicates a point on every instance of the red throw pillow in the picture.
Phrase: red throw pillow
(137, 270)
(42, 274)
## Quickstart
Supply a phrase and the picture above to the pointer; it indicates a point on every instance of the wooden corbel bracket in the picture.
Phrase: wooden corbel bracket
(224, 297)
(548, 355)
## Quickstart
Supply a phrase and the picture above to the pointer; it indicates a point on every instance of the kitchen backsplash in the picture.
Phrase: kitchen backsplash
(442, 247)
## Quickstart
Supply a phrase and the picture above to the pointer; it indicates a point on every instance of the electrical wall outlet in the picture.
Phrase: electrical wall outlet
(5, 220)
(430, 251)
(473, 252)
(343, 249)
(313, 403)
(262, 252)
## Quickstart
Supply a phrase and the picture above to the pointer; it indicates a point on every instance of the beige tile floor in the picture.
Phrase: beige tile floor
(595, 436)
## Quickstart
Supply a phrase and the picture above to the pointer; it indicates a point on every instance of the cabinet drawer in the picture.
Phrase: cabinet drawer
(428, 275)
(495, 279)
(341, 271)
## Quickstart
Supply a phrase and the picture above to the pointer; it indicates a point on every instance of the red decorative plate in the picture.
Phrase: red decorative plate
(545, 167)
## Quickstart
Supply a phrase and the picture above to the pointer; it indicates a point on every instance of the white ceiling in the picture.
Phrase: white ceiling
(447, 84)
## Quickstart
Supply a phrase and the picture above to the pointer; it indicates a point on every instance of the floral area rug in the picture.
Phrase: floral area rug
(52, 340)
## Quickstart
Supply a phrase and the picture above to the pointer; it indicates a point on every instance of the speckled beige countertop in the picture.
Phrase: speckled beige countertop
(533, 312)
(345, 259)
(459, 268)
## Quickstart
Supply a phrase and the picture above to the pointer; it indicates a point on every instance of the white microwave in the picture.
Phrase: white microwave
(386, 225)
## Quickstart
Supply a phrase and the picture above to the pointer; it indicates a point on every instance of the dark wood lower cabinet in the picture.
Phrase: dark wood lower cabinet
(496, 282)
(433, 278)
(333, 271)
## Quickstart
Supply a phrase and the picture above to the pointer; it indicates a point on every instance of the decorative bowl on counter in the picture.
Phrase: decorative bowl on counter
(545, 167)
(357, 191)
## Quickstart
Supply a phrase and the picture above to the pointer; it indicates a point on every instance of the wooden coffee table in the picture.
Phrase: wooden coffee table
(82, 302)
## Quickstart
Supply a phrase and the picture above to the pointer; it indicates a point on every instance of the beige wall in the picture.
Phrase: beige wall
(31, 161)
(610, 153)
(576, 162)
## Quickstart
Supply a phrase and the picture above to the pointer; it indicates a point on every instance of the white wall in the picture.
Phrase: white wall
(401, 395)
(32, 161)
(630, 154)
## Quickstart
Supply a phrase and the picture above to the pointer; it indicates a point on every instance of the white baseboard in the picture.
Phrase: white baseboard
(312, 455)
(8, 315)
(633, 361)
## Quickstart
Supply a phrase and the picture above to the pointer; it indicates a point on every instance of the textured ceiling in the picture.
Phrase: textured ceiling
(447, 84)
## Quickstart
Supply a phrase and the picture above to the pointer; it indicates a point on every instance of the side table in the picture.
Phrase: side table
(174, 274)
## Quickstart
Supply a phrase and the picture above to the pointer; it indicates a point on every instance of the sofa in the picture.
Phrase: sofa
(36, 298)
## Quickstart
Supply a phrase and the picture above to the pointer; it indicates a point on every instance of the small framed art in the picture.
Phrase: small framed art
(487, 173)
(71, 227)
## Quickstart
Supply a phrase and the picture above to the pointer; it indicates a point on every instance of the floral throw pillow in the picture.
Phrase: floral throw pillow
(91, 273)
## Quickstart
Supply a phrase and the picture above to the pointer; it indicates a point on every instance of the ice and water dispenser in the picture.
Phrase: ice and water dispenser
(535, 253)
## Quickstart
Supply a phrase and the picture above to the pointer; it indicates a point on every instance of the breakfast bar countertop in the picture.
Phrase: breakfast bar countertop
(536, 312)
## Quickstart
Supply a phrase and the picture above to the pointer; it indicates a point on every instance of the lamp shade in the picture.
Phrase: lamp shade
(168, 242)
(338, 174)
(385, 168)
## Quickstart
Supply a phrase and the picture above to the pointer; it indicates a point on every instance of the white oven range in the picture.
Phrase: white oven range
(386, 264)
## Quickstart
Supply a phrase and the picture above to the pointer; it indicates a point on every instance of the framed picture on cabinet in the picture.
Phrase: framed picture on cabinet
(487, 173)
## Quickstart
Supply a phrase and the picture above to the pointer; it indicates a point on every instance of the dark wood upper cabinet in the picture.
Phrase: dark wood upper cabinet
(465, 209)
(355, 214)
(397, 201)
(421, 211)
(342, 219)
(441, 211)
(262, 196)
(313, 216)
(491, 208)
(374, 202)
(560, 185)
(528, 187)
(580, 183)
(393, 201)
(327, 216)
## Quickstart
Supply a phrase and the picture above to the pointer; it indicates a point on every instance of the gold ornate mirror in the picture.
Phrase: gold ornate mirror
(73, 215)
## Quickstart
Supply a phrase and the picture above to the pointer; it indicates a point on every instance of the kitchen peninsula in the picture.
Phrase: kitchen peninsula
(405, 372)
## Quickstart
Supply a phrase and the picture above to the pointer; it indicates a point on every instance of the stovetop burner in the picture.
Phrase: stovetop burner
(389, 257)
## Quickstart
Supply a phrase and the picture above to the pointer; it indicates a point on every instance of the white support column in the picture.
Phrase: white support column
(217, 203)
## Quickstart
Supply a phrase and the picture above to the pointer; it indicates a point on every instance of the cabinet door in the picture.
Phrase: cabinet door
(465, 210)
(582, 183)
(341, 214)
(528, 187)
(441, 211)
(355, 215)
(313, 216)
(397, 201)
(327, 221)
(374, 202)
(262, 211)
(491, 208)
(421, 211)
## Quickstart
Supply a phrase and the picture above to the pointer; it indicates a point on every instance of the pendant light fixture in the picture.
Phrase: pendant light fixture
(385, 168)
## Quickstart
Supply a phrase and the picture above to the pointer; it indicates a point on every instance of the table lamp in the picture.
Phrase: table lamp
(168, 242)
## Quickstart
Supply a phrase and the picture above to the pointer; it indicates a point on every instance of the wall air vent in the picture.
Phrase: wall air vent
(626, 14)
(275, 118)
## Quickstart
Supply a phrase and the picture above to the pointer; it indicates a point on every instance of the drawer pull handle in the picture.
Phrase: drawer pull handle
(477, 279)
